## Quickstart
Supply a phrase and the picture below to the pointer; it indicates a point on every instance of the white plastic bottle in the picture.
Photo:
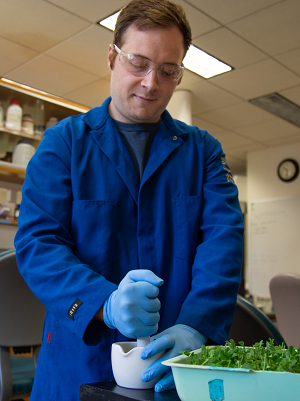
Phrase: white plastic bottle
(14, 115)
(39, 122)
(27, 124)
(51, 122)
(1, 115)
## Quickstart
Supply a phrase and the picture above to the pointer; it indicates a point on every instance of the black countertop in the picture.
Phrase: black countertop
(110, 391)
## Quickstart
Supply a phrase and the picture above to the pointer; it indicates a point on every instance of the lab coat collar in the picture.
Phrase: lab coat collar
(97, 117)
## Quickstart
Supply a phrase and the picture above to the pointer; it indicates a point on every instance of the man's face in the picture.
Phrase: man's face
(143, 100)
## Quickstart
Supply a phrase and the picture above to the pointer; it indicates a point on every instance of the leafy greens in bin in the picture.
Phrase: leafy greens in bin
(276, 358)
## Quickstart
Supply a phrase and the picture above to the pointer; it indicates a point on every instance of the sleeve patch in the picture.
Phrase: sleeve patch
(226, 168)
(74, 308)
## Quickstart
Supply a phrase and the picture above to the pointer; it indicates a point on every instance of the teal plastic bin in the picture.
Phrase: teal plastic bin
(206, 383)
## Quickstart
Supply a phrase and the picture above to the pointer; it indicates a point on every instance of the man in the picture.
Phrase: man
(130, 223)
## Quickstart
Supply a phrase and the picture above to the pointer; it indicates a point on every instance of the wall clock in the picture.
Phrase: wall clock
(288, 170)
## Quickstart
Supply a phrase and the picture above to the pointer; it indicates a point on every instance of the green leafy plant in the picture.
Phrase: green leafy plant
(270, 357)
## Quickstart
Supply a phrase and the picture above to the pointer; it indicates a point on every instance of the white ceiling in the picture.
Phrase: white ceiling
(57, 46)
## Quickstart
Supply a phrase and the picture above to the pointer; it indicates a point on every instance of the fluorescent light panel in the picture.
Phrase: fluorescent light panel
(110, 22)
(280, 106)
(204, 64)
(196, 60)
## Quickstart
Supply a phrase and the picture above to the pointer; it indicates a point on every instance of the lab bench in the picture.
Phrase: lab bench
(110, 391)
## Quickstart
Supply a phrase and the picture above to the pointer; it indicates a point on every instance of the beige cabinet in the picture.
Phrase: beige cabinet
(12, 175)
(54, 107)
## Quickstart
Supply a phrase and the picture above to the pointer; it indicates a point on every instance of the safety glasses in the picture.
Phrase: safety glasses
(141, 66)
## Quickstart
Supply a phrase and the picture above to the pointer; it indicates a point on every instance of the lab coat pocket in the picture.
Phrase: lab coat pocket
(94, 231)
(187, 223)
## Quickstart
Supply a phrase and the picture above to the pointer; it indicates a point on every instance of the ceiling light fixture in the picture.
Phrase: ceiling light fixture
(202, 63)
(196, 60)
(110, 21)
(280, 106)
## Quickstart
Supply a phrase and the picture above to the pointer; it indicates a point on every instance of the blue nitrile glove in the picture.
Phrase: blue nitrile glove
(133, 307)
(175, 339)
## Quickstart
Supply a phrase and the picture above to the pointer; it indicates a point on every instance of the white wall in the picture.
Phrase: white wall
(262, 178)
(263, 182)
(241, 183)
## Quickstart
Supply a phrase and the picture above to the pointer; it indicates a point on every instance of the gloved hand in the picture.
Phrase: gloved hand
(175, 339)
(133, 307)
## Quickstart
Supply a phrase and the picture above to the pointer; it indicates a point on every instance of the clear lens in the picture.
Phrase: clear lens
(140, 67)
(137, 65)
(169, 72)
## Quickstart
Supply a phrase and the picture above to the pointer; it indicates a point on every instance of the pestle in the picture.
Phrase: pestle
(142, 341)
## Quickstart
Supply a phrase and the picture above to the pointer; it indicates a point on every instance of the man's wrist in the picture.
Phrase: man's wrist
(107, 311)
(99, 315)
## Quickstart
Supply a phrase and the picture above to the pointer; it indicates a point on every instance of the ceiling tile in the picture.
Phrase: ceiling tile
(50, 75)
(206, 125)
(241, 152)
(92, 10)
(230, 10)
(37, 24)
(292, 94)
(229, 48)
(283, 141)
(208, 97)
(275, 29)
(230, 139)
(258, 79)
(239, 115)
(87, 50)
(291, 60)
(190, 79)
(239, 156)
(91, 95)
(270, 130)
(13, 55)
(95, 10)
(200, 23)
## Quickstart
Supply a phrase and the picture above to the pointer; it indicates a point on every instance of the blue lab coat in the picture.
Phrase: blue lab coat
(85, 221)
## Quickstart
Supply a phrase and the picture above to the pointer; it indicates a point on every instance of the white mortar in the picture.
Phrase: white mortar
(128, 366)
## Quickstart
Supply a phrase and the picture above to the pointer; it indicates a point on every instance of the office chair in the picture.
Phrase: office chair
(21, 324)
(285, 295)
(251, 325)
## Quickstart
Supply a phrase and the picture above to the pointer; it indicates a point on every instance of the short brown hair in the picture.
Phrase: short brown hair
(148, 14)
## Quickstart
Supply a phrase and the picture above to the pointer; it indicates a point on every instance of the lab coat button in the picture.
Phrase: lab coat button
(175, 138)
